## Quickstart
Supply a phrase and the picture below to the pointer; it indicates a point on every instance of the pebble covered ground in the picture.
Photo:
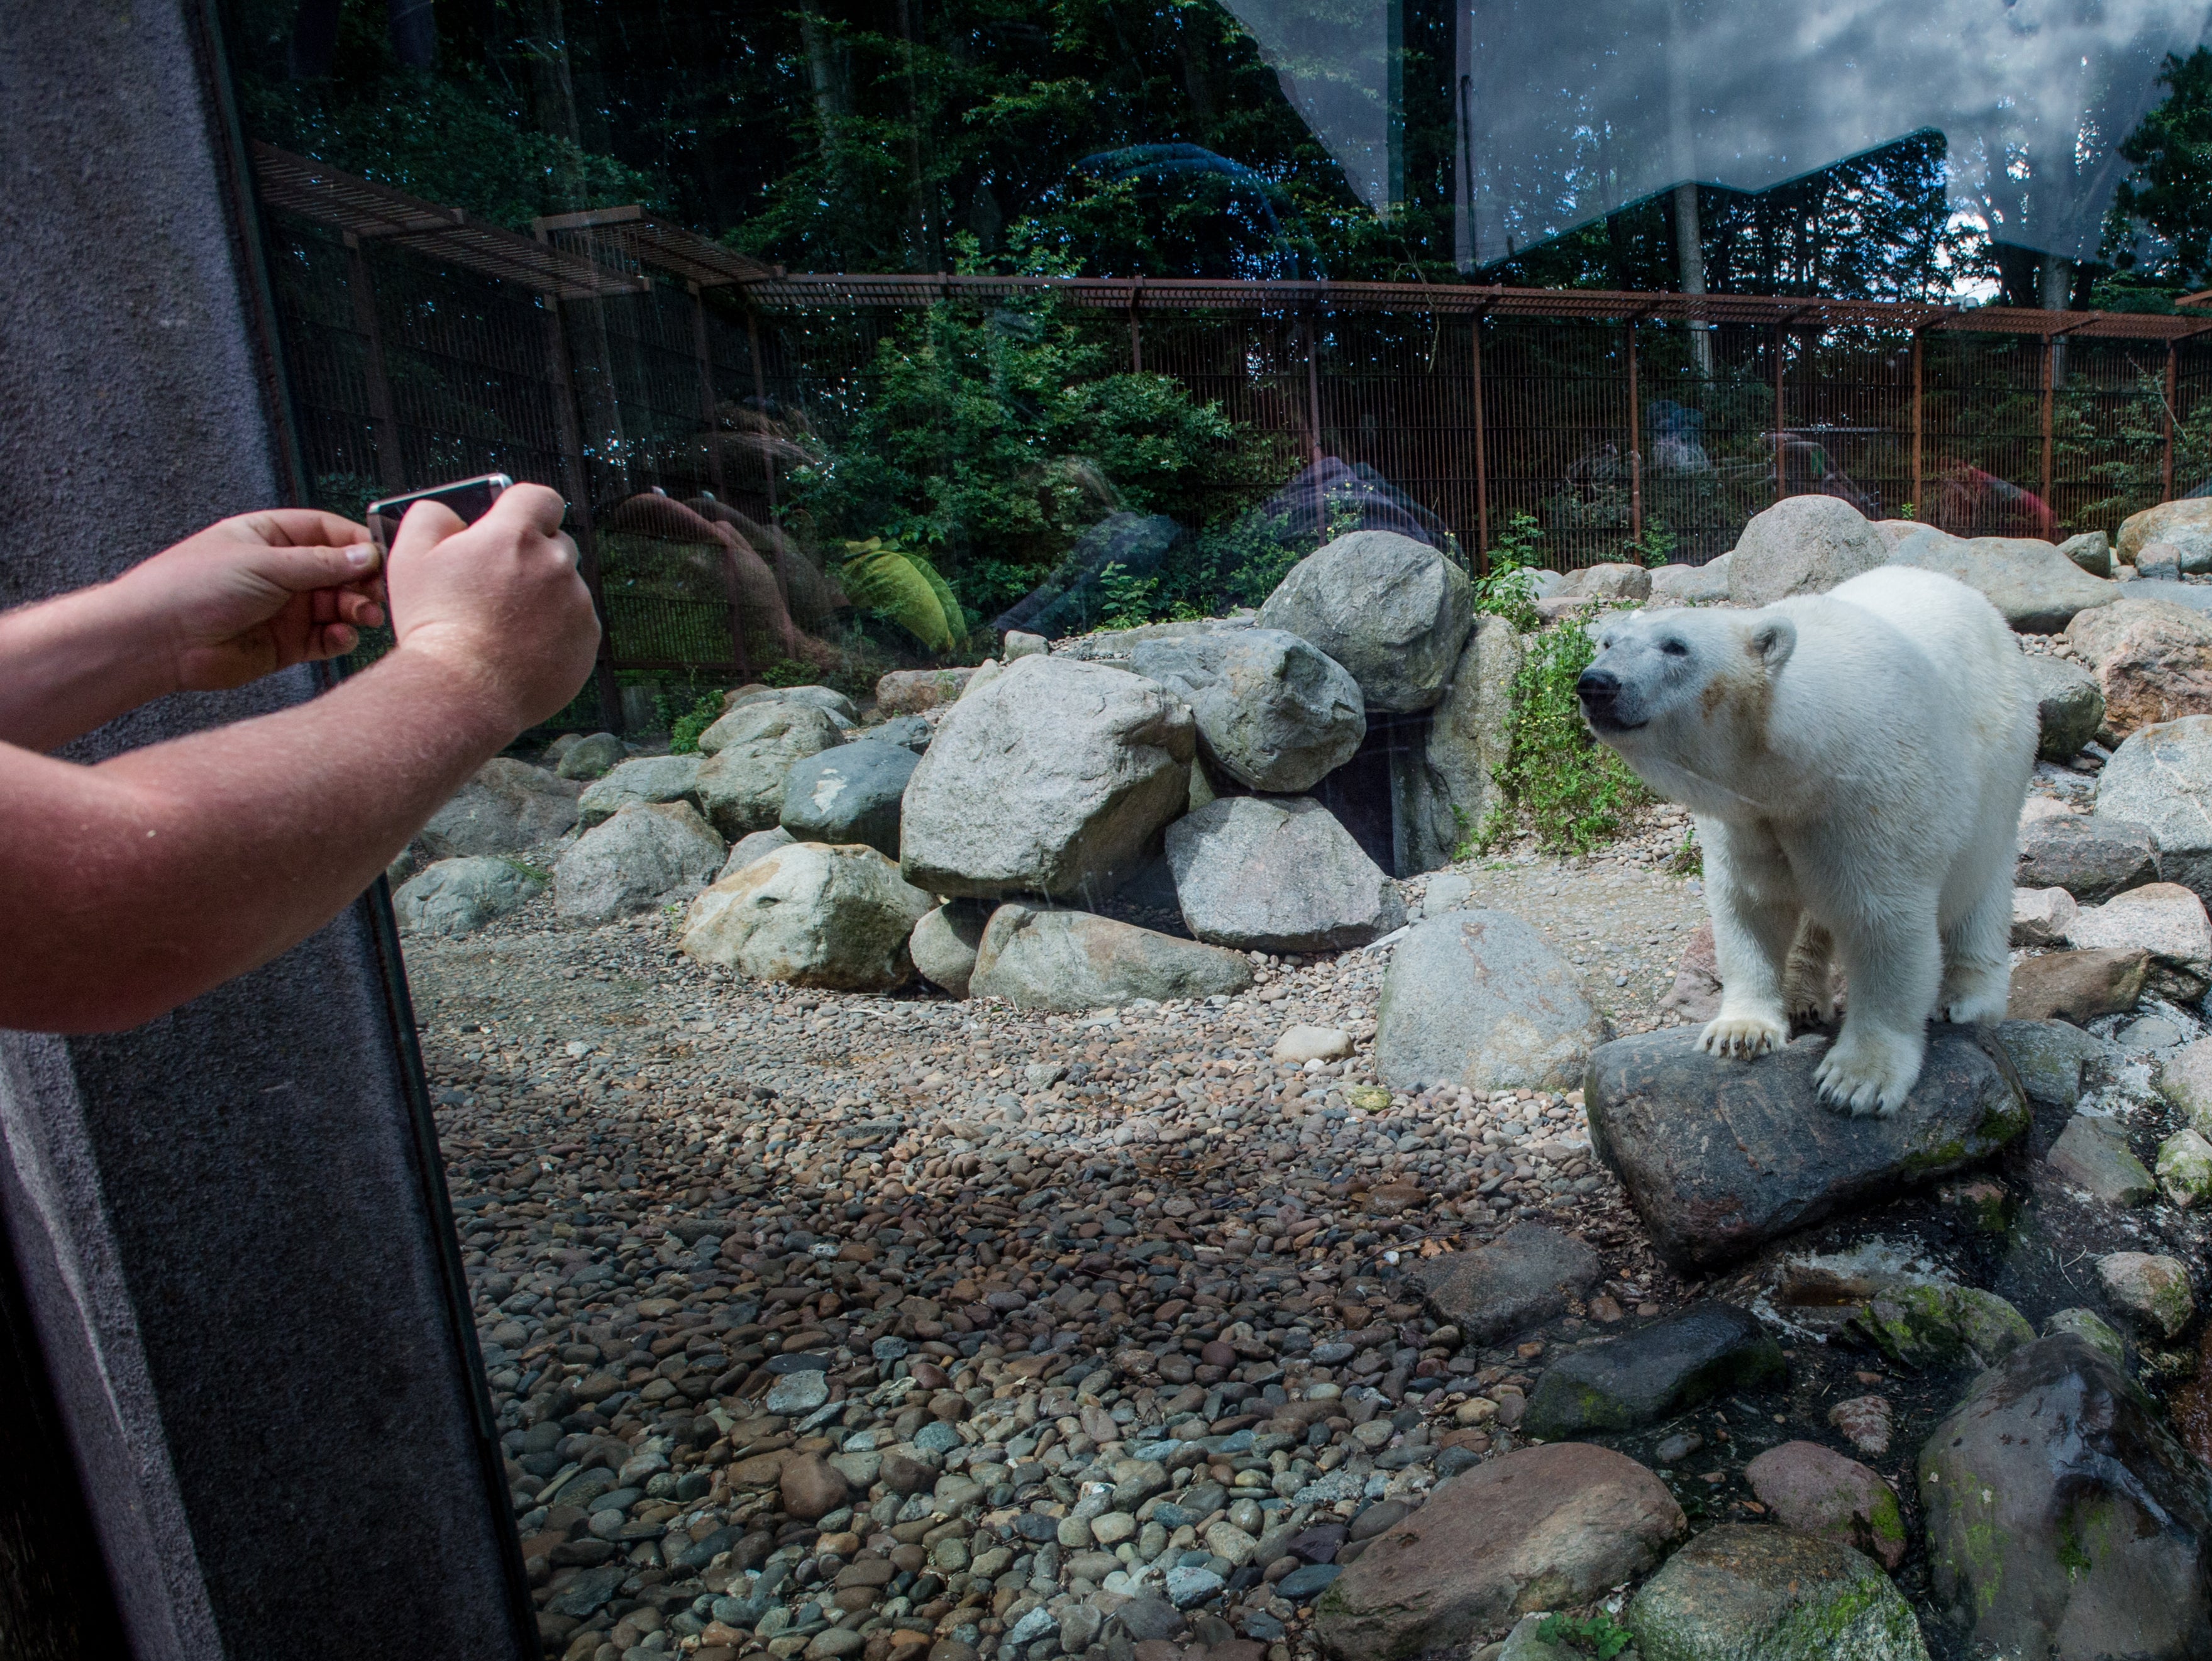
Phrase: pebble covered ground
(743, 1254)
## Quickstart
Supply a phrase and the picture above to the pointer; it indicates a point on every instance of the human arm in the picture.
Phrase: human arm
(242, 598)
(129, 887)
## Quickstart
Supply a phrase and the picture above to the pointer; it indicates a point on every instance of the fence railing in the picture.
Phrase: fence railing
(613, 357)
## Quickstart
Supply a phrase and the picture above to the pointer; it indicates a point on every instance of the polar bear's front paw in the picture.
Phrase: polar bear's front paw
(1809, 1008)
(1864, 1074)
(1742, 1035)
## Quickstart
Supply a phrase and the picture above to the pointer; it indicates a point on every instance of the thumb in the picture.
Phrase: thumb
(427, 524)
(303, 569)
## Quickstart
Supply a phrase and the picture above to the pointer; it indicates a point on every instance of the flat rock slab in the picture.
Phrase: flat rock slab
(2077, 986)
(1521, 1280)
(1741, 1590)
(1653, 1373)
(1720, 1156)
(1539, 1528)
(2094, 1155)
(1479, 998)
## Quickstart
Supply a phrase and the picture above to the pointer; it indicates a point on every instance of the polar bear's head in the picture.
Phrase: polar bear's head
(1684, 688)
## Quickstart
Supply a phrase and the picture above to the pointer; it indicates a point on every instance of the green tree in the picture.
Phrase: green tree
(2170, 192)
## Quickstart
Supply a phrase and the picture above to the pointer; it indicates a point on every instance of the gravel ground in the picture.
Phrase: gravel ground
(823, 1325)
(719, 1231)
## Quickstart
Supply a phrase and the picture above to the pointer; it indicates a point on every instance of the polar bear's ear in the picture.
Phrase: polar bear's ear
(1772, 642)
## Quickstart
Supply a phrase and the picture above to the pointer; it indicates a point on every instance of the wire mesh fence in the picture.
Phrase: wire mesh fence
(672, 411)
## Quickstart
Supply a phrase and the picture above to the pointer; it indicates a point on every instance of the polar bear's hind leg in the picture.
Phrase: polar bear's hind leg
(1977, 962)
(1808, 982)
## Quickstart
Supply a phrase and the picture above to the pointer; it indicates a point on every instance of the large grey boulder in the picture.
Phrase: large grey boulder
(2063, 1517)
(741, 784)
(1393, 611)
(1050, 779)
(1445, 793)
(2160, 778)
(2153, 658)
(1477, 998)
(1802, 545)
(1277, 874)
(849, 793)
(2184, 526)
(1074, 960)
(1691, 584)
(1720, 1155)
(2092, 550)
(1755, 1591)
(507, 806)
(2038, 590)
(2091, 858)
(812, 915)
(944, 942)
(830, 701)
(912, 732)
(648, 855)
(1273, 711)
(2068, 707)
(590, 758)
(750, 850)
(648, 778)
(459, 896)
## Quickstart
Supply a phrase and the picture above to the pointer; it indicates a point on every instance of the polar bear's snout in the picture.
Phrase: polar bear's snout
(1600, 693)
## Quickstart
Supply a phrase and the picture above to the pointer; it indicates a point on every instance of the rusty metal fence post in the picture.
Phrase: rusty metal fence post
(2050, 394)
(2173, 391)
(1919, 421)
(1635, 446)
(1481, 460)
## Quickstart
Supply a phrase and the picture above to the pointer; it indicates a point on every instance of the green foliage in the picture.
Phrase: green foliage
(1504, 591)
(2170, 192)
(685, 729)
(991, 442)
(1125, 601)
(1572, 792)
(1593, 1635)
(1657, 546)
(903, 588)
(789, 672)
(1688, 859)
(523, 868)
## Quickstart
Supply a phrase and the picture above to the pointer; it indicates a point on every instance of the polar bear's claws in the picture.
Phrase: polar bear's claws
(1743, 1036)
(1860, 1089)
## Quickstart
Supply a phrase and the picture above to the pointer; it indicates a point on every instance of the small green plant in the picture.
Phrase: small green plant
(1125, 601)
(1573, 793)
(1910, 511)
(523, 868)
(1463, 843)
(1593, 1635)
(1506, 590)
(789, 672)
(1656, 547)
(684, 731)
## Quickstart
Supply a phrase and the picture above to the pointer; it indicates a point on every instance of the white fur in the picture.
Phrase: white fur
(1856, 762)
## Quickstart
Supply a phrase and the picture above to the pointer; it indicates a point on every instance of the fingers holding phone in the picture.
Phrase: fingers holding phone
(500, 597)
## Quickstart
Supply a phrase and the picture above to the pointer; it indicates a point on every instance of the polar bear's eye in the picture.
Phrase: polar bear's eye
(1674, 648)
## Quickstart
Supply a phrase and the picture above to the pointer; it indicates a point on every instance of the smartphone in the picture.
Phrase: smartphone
(471, 499)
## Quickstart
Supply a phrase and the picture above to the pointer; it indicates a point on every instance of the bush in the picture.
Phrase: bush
(1572, 792)
(684, 731)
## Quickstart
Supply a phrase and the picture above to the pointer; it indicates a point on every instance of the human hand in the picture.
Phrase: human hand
(499, 600)
(254, 594)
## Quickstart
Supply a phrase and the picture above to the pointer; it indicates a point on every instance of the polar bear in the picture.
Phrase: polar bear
(1855, 762)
